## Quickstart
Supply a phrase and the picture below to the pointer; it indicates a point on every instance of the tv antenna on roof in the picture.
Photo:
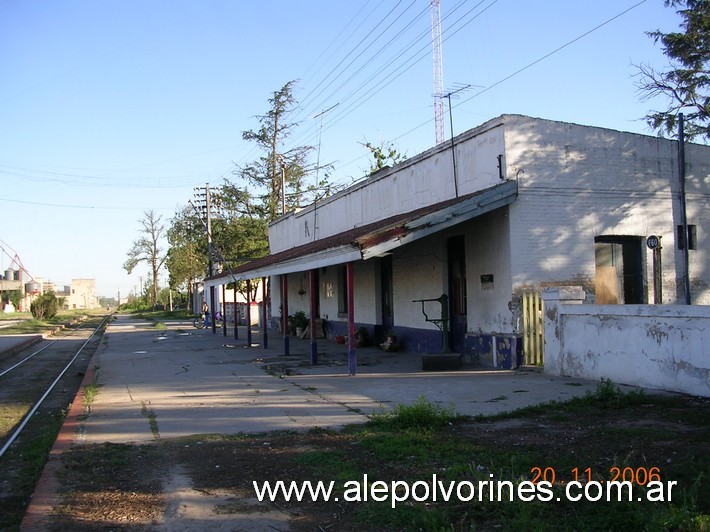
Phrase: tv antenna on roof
(453, 93)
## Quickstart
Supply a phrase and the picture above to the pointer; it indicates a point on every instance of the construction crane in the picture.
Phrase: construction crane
(438, 75)
(15, 258)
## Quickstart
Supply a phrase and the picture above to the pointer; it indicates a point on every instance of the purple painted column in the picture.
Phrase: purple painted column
(352, 358)
(248, 316)
(314, 304)
(284, 311)
(264, 334)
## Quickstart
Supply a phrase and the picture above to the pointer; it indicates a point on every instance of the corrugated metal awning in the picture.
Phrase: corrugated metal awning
(376, 239)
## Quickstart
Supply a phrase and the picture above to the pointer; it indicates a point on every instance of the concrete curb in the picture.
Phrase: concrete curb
(45, 497)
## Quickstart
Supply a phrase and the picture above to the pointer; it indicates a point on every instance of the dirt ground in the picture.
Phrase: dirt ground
(206, 482)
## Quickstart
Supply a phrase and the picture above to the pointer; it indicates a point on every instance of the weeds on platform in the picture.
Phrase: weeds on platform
(421, 414)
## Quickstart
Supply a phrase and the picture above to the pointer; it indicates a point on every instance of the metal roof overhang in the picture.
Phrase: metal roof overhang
(376, 239)
(382, 241)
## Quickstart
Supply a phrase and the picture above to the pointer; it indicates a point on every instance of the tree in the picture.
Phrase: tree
(146, 249)
(385, 155)
(45, 307)
(686, 83)
(277, 164)
(186, 259)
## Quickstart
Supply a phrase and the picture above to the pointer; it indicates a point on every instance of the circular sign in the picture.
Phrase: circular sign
(652, 242)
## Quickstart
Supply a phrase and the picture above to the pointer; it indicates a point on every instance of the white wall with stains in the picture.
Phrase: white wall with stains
(655, 346)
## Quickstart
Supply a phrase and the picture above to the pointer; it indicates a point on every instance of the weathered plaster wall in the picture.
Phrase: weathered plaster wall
(420, 181)
(578, 182)
(488, 254)
(365, 305)
(663, 347)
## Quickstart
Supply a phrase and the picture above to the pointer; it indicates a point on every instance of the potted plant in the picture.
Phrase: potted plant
(390, 344)
(297, 323)
(362, 338)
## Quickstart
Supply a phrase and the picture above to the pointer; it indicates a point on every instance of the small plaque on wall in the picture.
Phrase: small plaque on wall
(487, 281)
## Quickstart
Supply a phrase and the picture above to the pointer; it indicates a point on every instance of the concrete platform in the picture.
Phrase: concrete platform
(12, 343)
(181, 381)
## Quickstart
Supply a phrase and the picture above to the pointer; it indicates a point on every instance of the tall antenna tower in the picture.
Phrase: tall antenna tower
(438, 76)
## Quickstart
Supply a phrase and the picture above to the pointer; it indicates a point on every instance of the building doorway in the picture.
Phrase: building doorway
(619, 270)
(458, 307)
(387, 294)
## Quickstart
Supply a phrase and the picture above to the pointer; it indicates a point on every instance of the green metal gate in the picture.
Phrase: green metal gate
(533, 329)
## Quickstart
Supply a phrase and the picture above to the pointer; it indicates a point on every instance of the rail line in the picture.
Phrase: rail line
(18, 430)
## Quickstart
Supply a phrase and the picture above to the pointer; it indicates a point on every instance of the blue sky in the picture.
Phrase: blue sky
(112, 108)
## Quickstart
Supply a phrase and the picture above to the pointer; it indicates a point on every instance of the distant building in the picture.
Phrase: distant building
(80, 295)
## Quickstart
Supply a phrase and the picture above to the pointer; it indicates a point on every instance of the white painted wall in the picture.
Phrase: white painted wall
(419, 272)
(421, 181)
(654, 346)
(488, 252)
(577, 182)
(364, 273)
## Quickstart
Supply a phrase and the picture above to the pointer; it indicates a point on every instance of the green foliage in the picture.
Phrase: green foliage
(186, 259)
(685, 83)
(385, 155)
(45, 307)
(13, 296)
(298, 320)
(421, 414)
(277, 167)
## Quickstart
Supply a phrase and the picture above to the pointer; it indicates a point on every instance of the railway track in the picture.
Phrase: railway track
(37, 387)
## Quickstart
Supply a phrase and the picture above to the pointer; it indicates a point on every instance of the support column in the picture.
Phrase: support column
(264, 333)
(214, 325)
(284, 312)
(247, 318)
(352, 357)
(224, 310)
(314, 304)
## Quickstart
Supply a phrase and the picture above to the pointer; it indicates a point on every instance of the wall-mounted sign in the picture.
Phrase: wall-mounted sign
(487, 281)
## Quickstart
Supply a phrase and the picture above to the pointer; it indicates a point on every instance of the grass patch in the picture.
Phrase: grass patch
(421, 414)
(90, 393)
(412, 443)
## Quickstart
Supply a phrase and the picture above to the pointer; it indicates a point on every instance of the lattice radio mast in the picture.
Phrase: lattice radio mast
(438, 76)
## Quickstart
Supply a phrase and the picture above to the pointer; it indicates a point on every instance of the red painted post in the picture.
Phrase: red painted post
(284, 311)
(352, 358)
(264, 333)
(314, 304)
(247, 318)
(224, 310)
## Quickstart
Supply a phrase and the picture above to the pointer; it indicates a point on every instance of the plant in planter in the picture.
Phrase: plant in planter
(390, 344)
(299, 320)
(362, 338)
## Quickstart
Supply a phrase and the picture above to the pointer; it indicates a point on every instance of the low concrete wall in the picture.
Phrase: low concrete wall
(656, 346)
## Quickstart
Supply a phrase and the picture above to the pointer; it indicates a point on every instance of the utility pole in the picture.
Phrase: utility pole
(206, 207)
(683, 213)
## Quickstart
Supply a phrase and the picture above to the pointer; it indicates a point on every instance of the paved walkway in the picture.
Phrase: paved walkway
(181, 381)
